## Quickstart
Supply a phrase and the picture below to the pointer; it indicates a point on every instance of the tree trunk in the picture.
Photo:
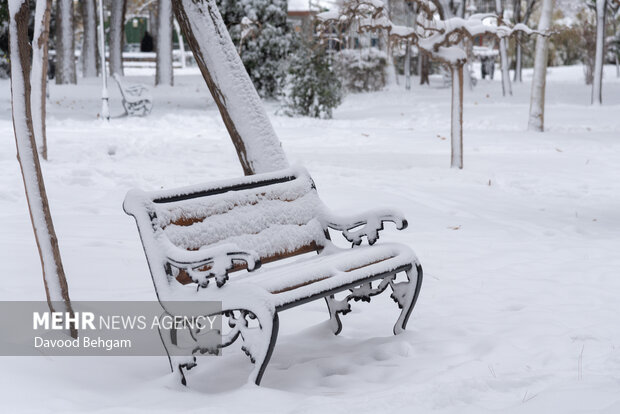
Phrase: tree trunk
(252, 134)
(164, 74)
(105, 104)
(518, 59)
(537, 99)
(153, 25)
(408, 65)
(597, 84)
(518, 52)
(89, 40)
(423, 67)
(38, 76)
(456, 130)
(56, 288)
(65, 48)
(411, 21)
(503, 54)
(117, 36)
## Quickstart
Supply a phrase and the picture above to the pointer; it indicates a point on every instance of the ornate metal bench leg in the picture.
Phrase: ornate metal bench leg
(336, 306)
(177, 363)
(406, 295)
(258, 341)
(262, 365)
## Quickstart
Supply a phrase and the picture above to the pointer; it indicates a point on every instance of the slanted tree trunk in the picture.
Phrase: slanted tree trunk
(65, 48)
(456, 130)
(56, 288)
(503, 54)
(117, 36)
(252, 134)
(537, 99)
(164, 72)
(38, 76)
(597, 84)
(89, 40)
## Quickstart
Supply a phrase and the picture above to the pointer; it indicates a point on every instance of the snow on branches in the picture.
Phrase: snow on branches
(444, 40)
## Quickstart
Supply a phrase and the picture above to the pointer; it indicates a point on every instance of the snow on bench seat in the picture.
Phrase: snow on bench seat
(328, 270)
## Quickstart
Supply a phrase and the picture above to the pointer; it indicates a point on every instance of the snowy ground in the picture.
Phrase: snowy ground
(519, 310)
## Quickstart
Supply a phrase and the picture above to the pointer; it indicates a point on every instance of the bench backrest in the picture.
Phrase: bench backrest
(132, 93)
(275, 214)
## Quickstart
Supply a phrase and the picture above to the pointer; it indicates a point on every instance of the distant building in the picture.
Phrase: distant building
(301, 16)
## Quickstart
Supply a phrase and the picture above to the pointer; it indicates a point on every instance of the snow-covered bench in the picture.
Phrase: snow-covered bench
(136, 98)
(197, 241)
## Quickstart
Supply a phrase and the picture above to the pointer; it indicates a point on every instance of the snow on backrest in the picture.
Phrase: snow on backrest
(276, 217)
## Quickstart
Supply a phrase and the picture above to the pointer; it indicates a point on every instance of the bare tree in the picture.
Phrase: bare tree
(38, 76)
(537, 99)
(250, 130)
(117, 36)
(56, 288)
(597, 84)
(65, 44)
(164, 74)
(89, 40)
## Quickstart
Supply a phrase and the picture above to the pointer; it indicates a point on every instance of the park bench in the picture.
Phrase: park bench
(136, 98)
(199, 241)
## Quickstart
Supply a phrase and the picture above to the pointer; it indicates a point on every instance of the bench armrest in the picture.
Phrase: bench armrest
(369, 223)
(210, 263)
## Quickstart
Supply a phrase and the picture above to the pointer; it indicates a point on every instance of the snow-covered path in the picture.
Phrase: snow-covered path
(519, 311)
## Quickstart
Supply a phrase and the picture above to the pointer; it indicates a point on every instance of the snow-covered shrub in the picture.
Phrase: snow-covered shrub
(4, 66)
(314, 88)
(613, 48)
(4, 41)
(363, 70)
(263, 38)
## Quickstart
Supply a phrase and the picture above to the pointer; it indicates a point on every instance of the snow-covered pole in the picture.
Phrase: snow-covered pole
(597, 84)
(248, 125)
(56, 288)
(38, 76)
(456, 130)
(105, 98)
(537, 100)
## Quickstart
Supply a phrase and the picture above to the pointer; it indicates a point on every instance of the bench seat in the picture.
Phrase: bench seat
(294, 282)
